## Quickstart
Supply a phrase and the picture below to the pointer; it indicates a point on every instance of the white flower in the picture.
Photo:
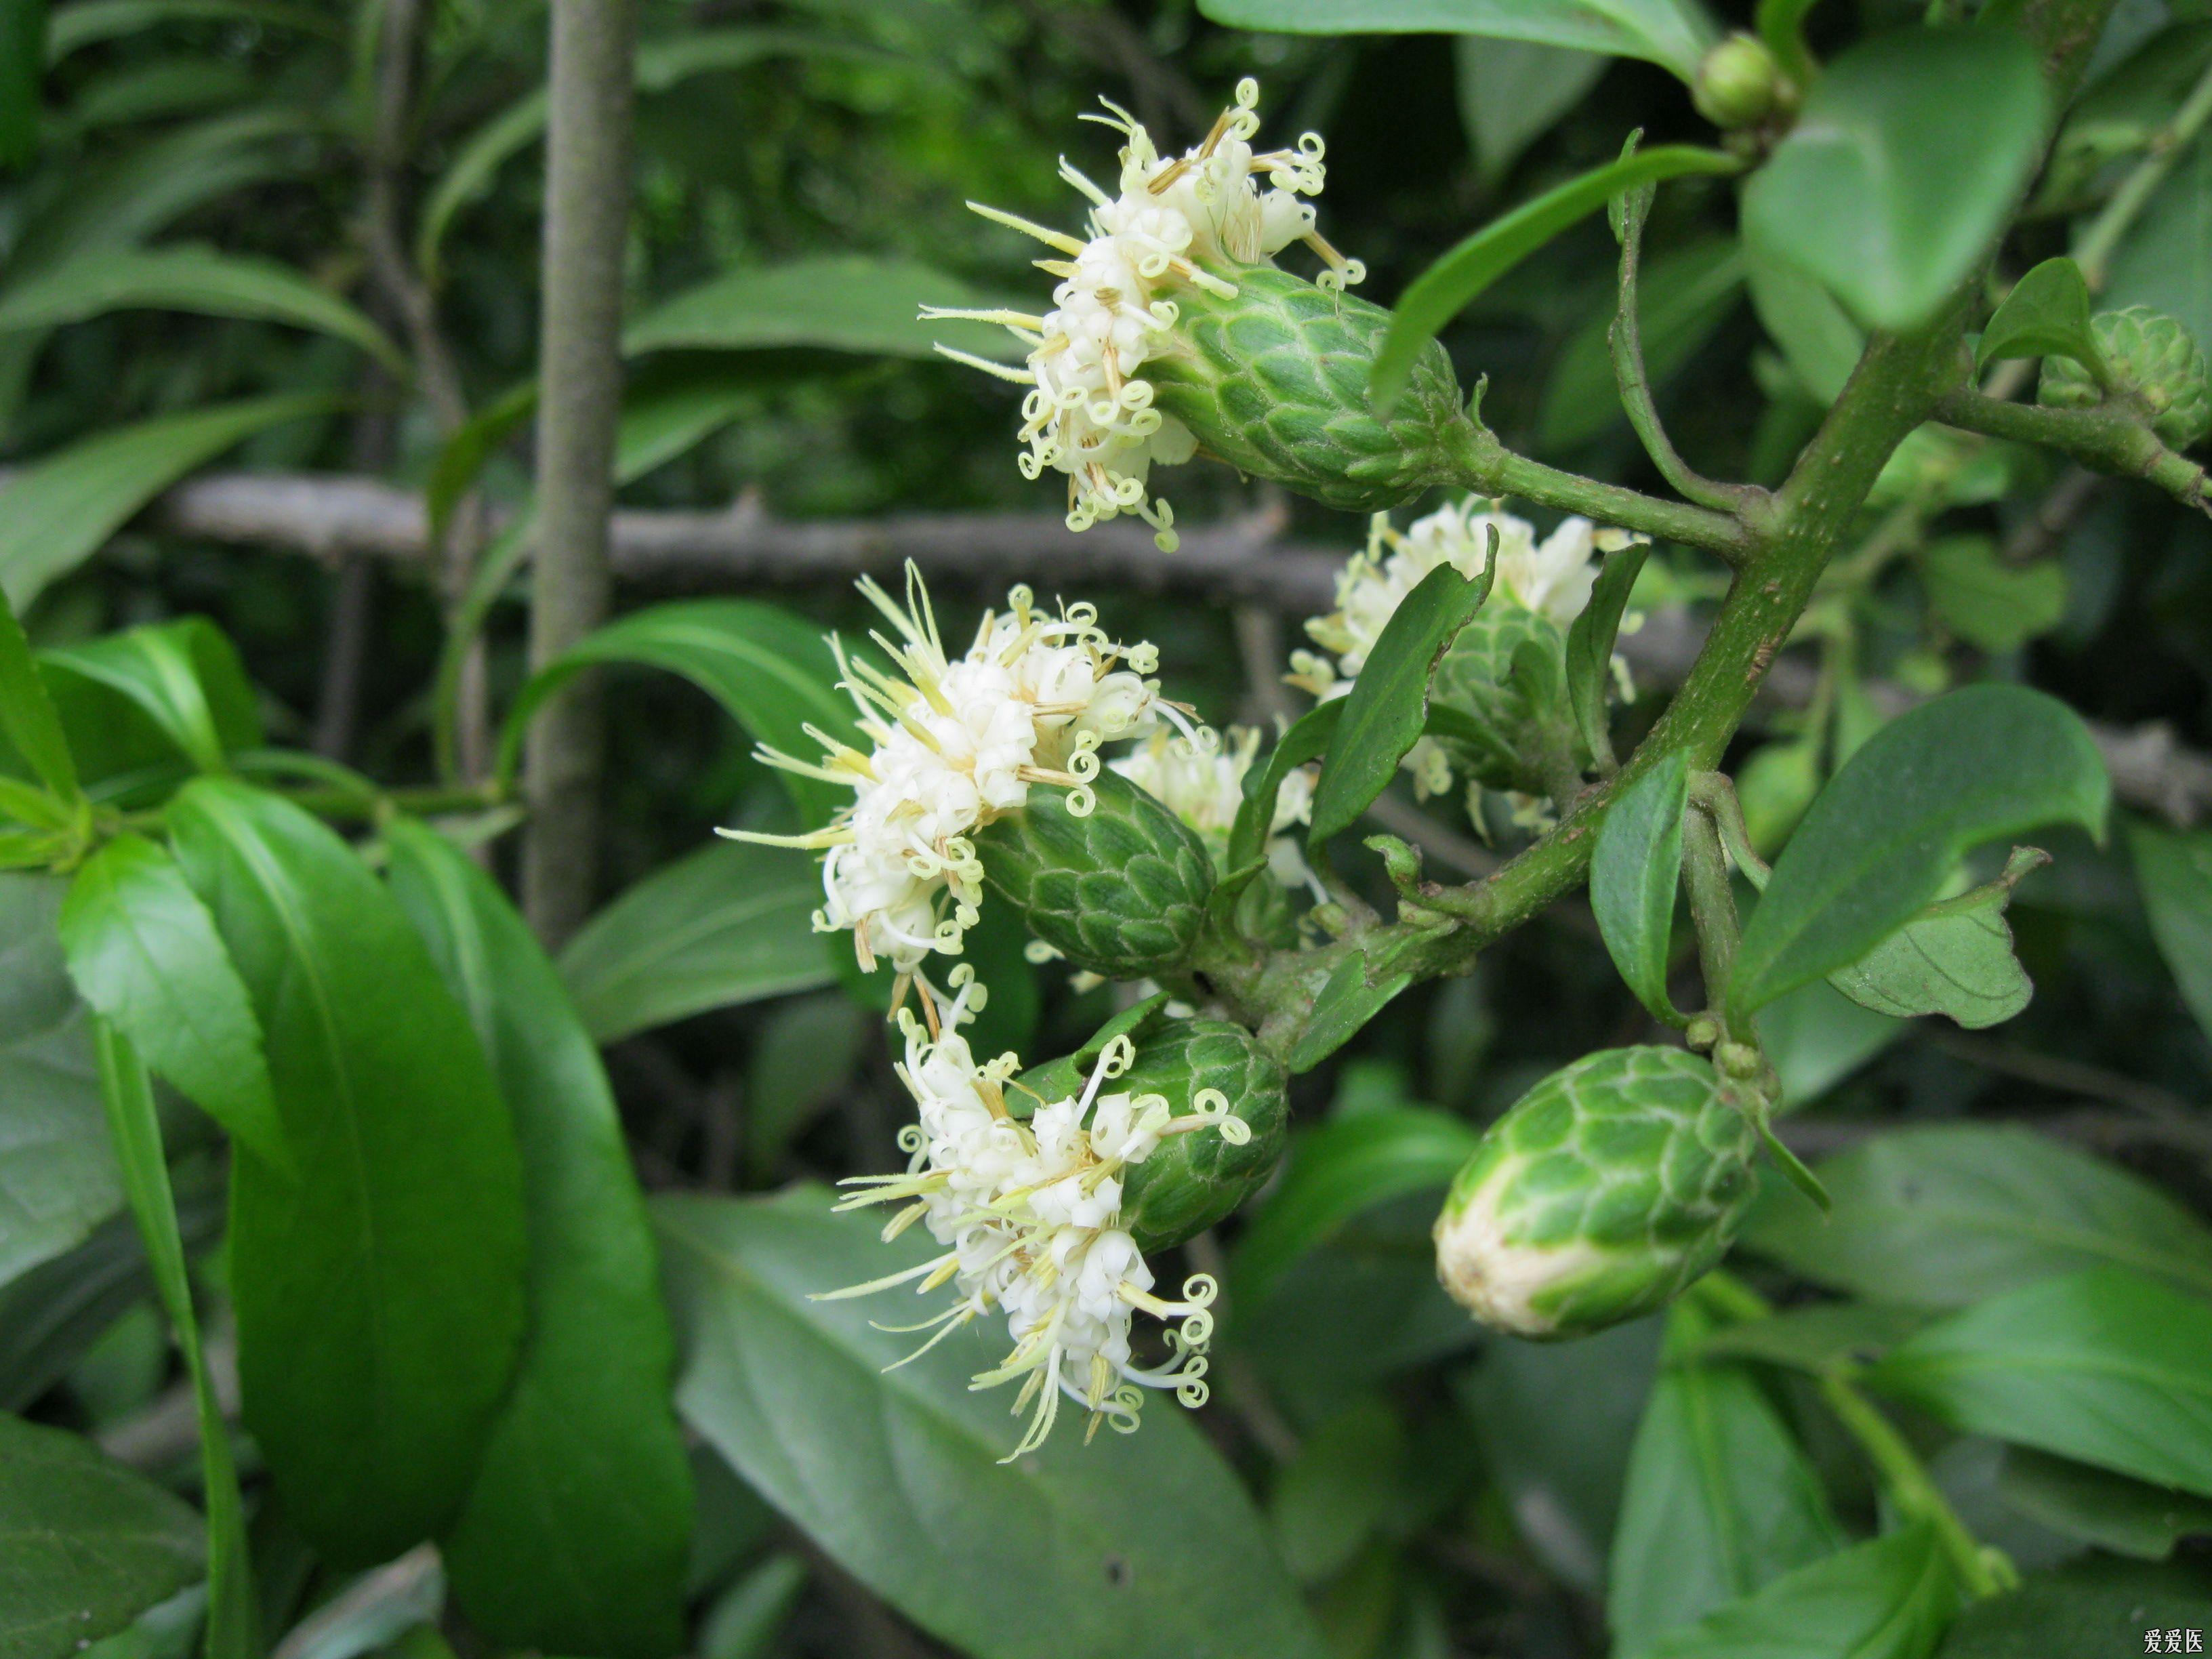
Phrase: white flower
(1191, 221)
(1029, 1215)
(957, 743)
(1552, 578)
(1202, 783)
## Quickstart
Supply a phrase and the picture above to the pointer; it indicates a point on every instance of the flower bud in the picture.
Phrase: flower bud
(1104, 873)
(1190, 1182)
(1738, 83)
(1603, 1191)
(1273, 379)
(1507, 671)
(2155, 362)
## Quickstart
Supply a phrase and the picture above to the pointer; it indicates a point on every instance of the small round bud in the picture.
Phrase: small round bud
(2155, 362)
(1599, 1195)
(1739, 1060)
(1119, 890)
(1702, 1032)
(1738, 83)
(1273, 380)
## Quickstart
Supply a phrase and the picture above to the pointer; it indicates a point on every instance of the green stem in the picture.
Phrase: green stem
(233, 1626)
(2106, 439)
(1905, 1478)
(2093, 253)
(1712, 907)
(1716, 794)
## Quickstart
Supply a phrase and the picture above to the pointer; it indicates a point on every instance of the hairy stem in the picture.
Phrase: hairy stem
(2109, 438)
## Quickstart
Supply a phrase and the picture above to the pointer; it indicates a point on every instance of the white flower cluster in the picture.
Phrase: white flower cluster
(956, 744)
(1193, 220)
(1552, 578)
(1029, 1215)
(1203, 784)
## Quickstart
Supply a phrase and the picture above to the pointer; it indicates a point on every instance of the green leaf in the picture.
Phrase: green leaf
(22, 32)
(188, 278)
(60, 510)
(57, 1178)
(660, 64)
(1817, 1037)
(802, 1059)
(1891, 825)
(574, 1537)
(1341, 1008)
(1818, 1338)
(1953, 958)
(749, 1615)
(26, 711)
(1719, 1500)
(1946, 1215)
(144, 951)
(1307, 739)
(1388, 706)
(1590, 640)
(2046, 313)
(1684, 294)
(1512, 93)
(90, 1545)
(85, 23)
(1329, 1497)
(1889, 1598)
(379, 1297)
(233, 1613)
(1451, 284)
(1907, 159)
(772, 672)
(2174, 870)
(1818, 339)
(1138, 1548)
(2165, 261)
(2128, 1517)
(730, 923)
(185, 675)
(1672, 32)
(834, 302)
(1336, 1170)
(2081, 1608)
(1635, 869)
(2107, 1367)
(1992, 604)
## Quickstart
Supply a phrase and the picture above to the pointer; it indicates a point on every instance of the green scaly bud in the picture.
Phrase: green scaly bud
(1507, 674)
(1605, 1191)
(1119, 890)
(1273, 381)
(1191, 1181)
(2155, 362)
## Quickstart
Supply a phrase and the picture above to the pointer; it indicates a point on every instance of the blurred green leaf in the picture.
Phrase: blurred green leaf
(1388, 707)
(60, 510)
(2107, 1367)
(233, 1613)
(1330, 1497)
(84, 22)
(1911, 151)
(27, 717)
(2046, 313)
(2078, 1608)
(1684, 295)
(1819, 1338)
(1635, 870)
(1333, 1172)
(185, 675)
(575, 1535)
(1954, 958)
(1889, 1598)
(1992, 604)
(1945, 1215)
(143, 951)
(730, 923)
(22, 34)
(1511, 93)
(835, 302)
(58, 1179)
(772, 672)
(1817, 1038)
(2165, 261)
(1671, 33)
(1818, 339)
(190, 278)
(2173, 870)
(1451, 284)
(803, 1055)
(1891, 825)
(752, 1612)
(1719, 1501)
(90, 1545)
(377, 1324)
(2126, 1516)
(1114, 1548)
